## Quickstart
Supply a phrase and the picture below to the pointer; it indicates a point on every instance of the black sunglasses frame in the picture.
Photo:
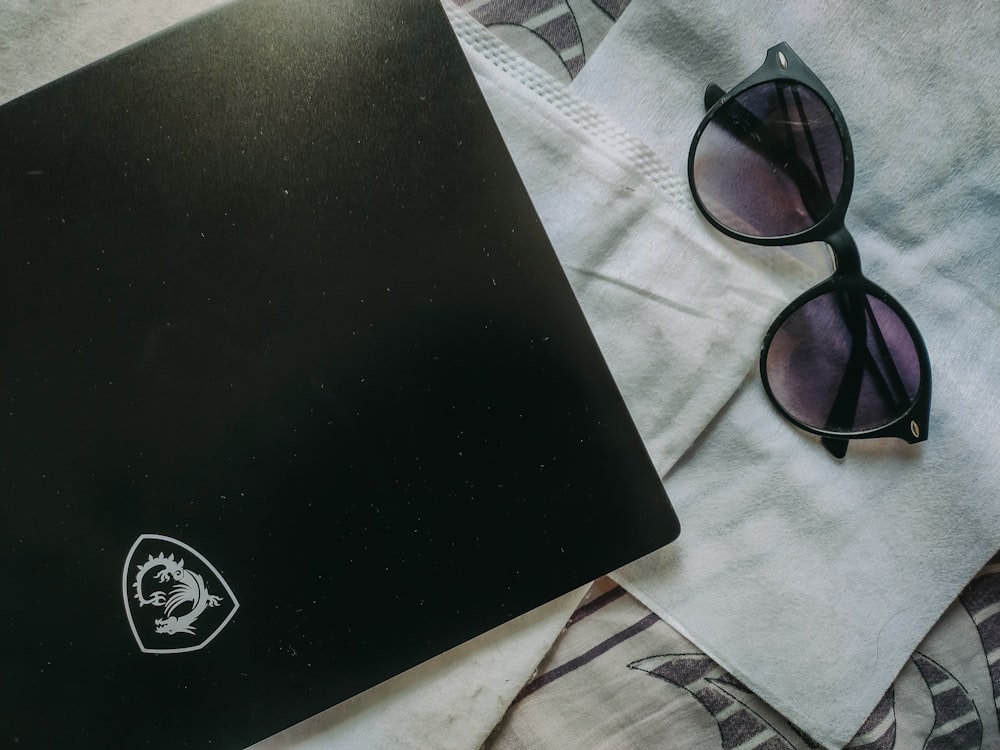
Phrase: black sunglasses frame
(783, 65)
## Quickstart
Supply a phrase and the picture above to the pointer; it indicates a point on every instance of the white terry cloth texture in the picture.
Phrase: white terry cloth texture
(813, 580)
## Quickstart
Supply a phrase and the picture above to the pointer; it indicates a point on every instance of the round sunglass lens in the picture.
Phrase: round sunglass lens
(770, 162)
(843, 362)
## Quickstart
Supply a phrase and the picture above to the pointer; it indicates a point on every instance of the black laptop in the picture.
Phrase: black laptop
(295, 394)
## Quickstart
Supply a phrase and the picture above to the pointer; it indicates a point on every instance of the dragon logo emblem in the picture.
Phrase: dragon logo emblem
(175, 599)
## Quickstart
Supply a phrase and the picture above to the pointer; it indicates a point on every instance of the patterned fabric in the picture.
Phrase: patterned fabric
(619, 677)
(557, 35)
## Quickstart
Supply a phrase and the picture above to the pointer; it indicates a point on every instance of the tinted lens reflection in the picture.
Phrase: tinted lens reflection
(770, 163)
(844, 362)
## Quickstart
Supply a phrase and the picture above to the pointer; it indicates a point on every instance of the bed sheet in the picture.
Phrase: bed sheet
(620, 677)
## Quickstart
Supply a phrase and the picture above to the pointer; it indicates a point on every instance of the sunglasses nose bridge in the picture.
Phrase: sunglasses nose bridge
(845, 251)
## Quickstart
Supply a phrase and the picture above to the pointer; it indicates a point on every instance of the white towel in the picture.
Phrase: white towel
(812, 580)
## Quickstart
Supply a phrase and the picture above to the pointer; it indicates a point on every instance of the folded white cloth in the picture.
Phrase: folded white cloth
(812, 580)
(648, 275)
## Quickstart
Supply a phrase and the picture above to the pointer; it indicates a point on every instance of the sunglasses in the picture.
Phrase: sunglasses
(771, 164)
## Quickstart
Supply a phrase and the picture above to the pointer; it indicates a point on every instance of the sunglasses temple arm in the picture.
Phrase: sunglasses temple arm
(890, 384)
(836, 446)
(845, 404)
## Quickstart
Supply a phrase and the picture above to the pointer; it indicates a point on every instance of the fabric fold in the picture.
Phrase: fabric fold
(648, 274)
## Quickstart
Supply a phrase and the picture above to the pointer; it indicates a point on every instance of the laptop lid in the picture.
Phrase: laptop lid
(296, 394)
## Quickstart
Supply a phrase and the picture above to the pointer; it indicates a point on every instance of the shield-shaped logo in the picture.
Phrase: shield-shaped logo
(175, 599)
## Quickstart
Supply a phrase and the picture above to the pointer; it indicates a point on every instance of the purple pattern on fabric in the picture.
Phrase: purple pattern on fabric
(614, 8)
(713, 699)
(599, 602)
(878, 717)
(989, 629)
(739, 725)
(983, 591)
(684, 671)
(574, 65)
(956, 719)
(739, 728)
(501, 11)
(588, 656)
(561, 32)
(981, 594)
